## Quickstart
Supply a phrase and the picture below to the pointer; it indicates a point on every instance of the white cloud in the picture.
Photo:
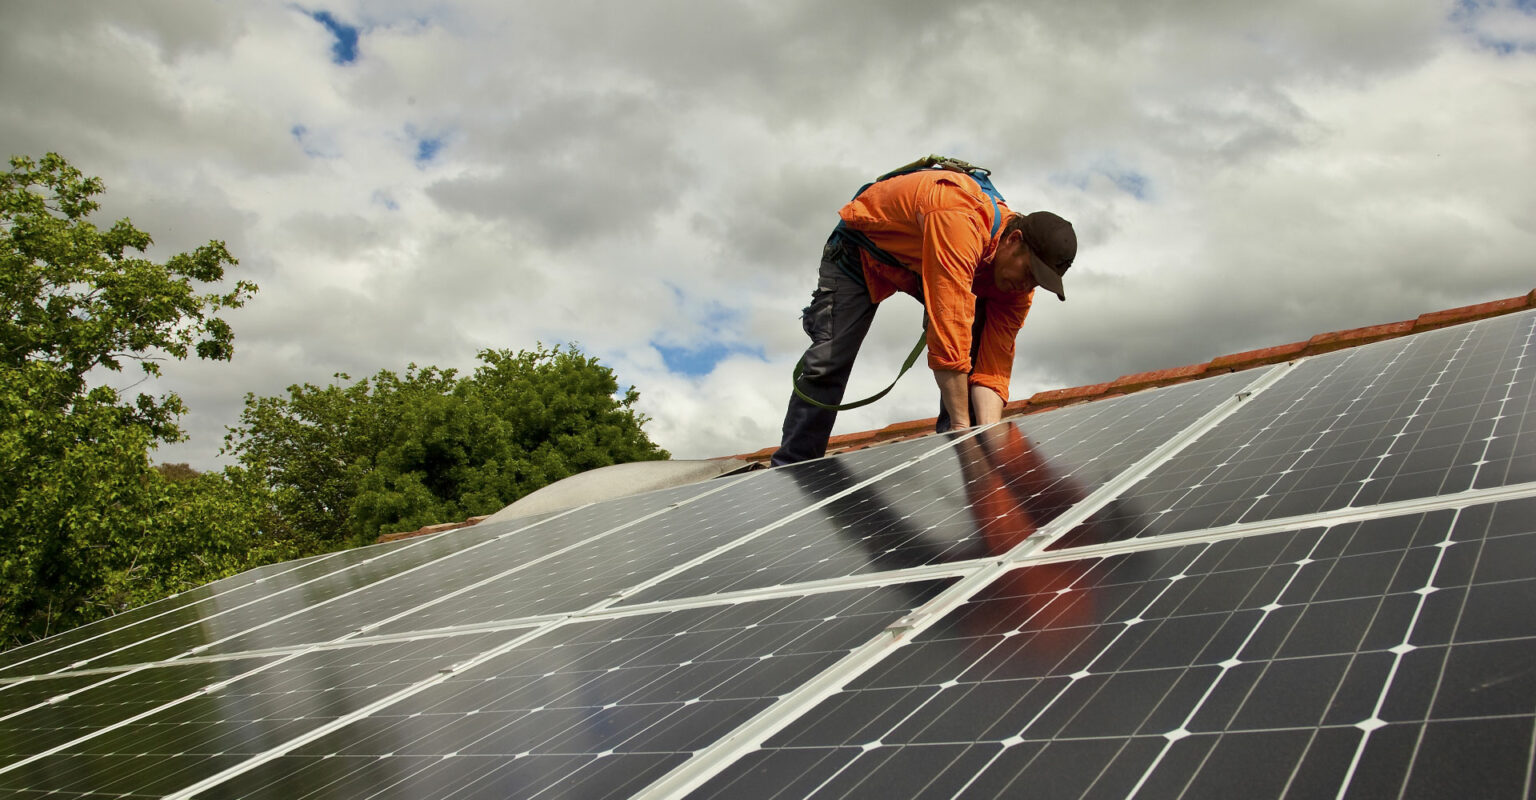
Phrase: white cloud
(626, 176)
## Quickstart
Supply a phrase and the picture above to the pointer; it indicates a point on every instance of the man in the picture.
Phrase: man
(931, 234)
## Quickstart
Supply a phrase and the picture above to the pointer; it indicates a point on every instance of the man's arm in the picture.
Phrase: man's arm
(952, 392)
(988, 405)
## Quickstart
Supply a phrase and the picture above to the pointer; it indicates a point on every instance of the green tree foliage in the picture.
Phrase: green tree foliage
(392, 453)
(87, 526)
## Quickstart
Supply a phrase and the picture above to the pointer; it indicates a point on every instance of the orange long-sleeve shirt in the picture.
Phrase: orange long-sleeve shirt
(938, 224)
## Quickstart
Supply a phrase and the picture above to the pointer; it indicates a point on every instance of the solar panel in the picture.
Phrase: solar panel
(515, 549)
(653, 547)
(1314, 579)
(179, 624)
(209, 716)
(193, 629)
(1302, 663)
(1422, 416)
(82, 705)
(597, 708)
(977, 499)
(32, 655)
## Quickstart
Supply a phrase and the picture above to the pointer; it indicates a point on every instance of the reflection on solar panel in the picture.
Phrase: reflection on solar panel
(1314, 579)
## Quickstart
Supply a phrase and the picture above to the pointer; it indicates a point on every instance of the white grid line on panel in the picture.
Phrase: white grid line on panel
(1239, 530)
(409, 691)
(1509, 388)
(1429, 391)
(709, 761)
(291, 653)
(749, 736)
(1530, 768)
(1225, 667)
(119, 674)
(1141, 469)
(315, 647)
(956, 569)
(975, 576)
(141, 715)
(781, 522)
(365, 711)
(1397, 659)
(130, 669)
(46, 652)
(541, 559)
(205, 646)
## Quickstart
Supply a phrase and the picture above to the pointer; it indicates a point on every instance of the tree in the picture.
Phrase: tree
(392, 453)
(80, 505)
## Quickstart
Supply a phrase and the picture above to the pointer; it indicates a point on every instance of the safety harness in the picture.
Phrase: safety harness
(983, 179)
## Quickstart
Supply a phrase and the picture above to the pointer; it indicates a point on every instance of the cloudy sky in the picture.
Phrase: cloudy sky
(416, 181)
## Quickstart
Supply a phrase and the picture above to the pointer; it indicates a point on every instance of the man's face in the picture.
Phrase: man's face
(1010, 267)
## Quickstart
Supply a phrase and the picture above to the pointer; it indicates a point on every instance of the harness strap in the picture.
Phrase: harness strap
(917, 350)
(863, 242)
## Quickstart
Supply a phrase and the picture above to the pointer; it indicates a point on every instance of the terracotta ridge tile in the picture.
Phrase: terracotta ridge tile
(1257, 358)
(1159, 377)
(1068, 395)
(1339, 340)
(1476, 311)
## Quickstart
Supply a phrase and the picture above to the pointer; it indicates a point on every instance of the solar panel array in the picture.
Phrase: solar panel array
(1313, 579)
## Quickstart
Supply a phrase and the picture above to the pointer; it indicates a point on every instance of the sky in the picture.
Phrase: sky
(414, 182)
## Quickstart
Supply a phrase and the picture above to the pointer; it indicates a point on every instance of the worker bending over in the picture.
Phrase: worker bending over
(971, 261)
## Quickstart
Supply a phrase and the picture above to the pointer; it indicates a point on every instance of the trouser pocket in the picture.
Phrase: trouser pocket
(816, 318)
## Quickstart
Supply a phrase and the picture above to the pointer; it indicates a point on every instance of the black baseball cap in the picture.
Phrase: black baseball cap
(1052, 247)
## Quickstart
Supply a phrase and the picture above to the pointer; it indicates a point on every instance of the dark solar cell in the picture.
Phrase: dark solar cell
(197, 627)
(580, 578)
(110, 699)
(25, 694)
(408, 590)
(1424, 416)
(136, 624)
(108, 752)
(979, 498)
(1291, 664)
(594, 709)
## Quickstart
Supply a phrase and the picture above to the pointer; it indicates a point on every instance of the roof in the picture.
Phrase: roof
(1312, 579)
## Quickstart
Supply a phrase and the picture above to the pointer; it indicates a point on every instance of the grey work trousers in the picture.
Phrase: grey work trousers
(837, 320)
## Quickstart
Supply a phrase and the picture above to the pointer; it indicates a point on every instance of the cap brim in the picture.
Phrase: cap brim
(1045, 276)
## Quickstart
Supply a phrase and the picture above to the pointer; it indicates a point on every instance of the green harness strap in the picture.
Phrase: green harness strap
(917, 350)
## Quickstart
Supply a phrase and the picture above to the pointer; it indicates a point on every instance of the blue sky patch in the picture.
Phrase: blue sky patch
(427, 148)
(314, 146)
(1471, 16)
(1130, 181)
(344, 49)
(698, 361)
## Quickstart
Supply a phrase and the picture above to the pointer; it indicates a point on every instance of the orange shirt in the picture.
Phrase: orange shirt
(939, 225)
